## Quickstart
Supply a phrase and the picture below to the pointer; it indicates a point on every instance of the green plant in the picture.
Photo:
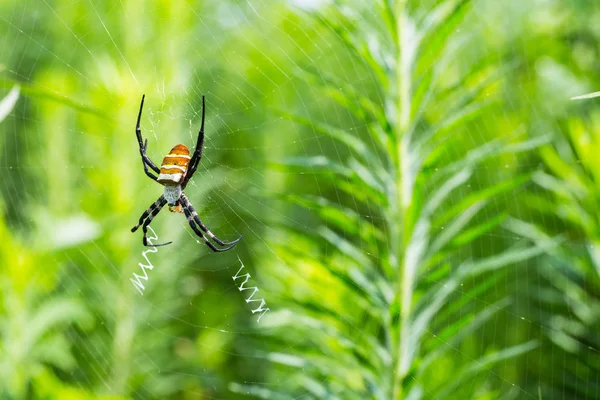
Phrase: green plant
(382, 302)
(564, 207)
(33, 329)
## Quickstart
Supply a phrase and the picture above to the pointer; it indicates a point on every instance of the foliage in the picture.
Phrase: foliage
(416, 190)
(567, 195)
(401, 295)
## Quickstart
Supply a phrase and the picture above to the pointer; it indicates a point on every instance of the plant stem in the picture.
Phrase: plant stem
(122, 342)
(404, 188)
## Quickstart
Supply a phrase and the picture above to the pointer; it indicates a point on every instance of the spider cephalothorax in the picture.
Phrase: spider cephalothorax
(175, 172)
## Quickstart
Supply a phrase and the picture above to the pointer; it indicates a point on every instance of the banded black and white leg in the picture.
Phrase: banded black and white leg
(194, 219)
(197, 155)
(147, 218)
(143, 144)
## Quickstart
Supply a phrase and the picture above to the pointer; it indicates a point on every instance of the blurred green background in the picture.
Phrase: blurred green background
(416, 190)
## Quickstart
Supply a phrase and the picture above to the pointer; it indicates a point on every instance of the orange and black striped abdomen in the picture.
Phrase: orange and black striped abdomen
(174, 165)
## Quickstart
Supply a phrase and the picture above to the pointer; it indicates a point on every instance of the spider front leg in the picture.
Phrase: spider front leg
(147, 218)
(195, 160)
(144, 145)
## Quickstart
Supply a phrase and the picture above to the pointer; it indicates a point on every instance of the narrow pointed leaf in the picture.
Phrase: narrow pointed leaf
(8, 102)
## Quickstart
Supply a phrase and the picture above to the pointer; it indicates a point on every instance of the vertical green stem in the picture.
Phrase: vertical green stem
(122, 345)
(404, 186)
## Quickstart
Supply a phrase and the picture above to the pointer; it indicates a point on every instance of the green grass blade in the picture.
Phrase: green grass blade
(8, 102)
(485, 363)
(508, 257)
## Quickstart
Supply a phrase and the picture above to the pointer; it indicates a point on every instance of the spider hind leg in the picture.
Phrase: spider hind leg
(193, 219)
(147, 218)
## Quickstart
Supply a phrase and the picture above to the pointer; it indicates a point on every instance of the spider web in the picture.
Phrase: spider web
(75, 186)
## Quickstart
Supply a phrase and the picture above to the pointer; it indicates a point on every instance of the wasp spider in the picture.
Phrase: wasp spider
(174, 174)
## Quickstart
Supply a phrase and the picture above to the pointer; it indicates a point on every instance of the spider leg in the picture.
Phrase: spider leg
(147, 212)
(199, 233)
(145, 163)
(143, 145)
(195, 160)
(147, 218)
(187, 205)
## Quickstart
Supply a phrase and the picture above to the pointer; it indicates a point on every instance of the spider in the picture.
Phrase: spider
(174, 175)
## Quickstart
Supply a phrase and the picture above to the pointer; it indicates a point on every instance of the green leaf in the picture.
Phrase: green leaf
(55, 312)
(420, 321)
(450, 344)
(360, 49)
(323, 164)
(54, 350)
(344, 218)
(508, 257)
(345, 95)
(330, 337)
(475, 197)
(564, 170)
(356, 275)
(485, 363)
(443, 129)
(258, 391)
(540, 238)
(437, 29)
(450, 232)
(8, 102)
(352, 141)
(39, 93)
(451, 184)
(468, 235)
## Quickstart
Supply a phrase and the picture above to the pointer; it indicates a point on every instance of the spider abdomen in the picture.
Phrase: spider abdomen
(174, 165)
